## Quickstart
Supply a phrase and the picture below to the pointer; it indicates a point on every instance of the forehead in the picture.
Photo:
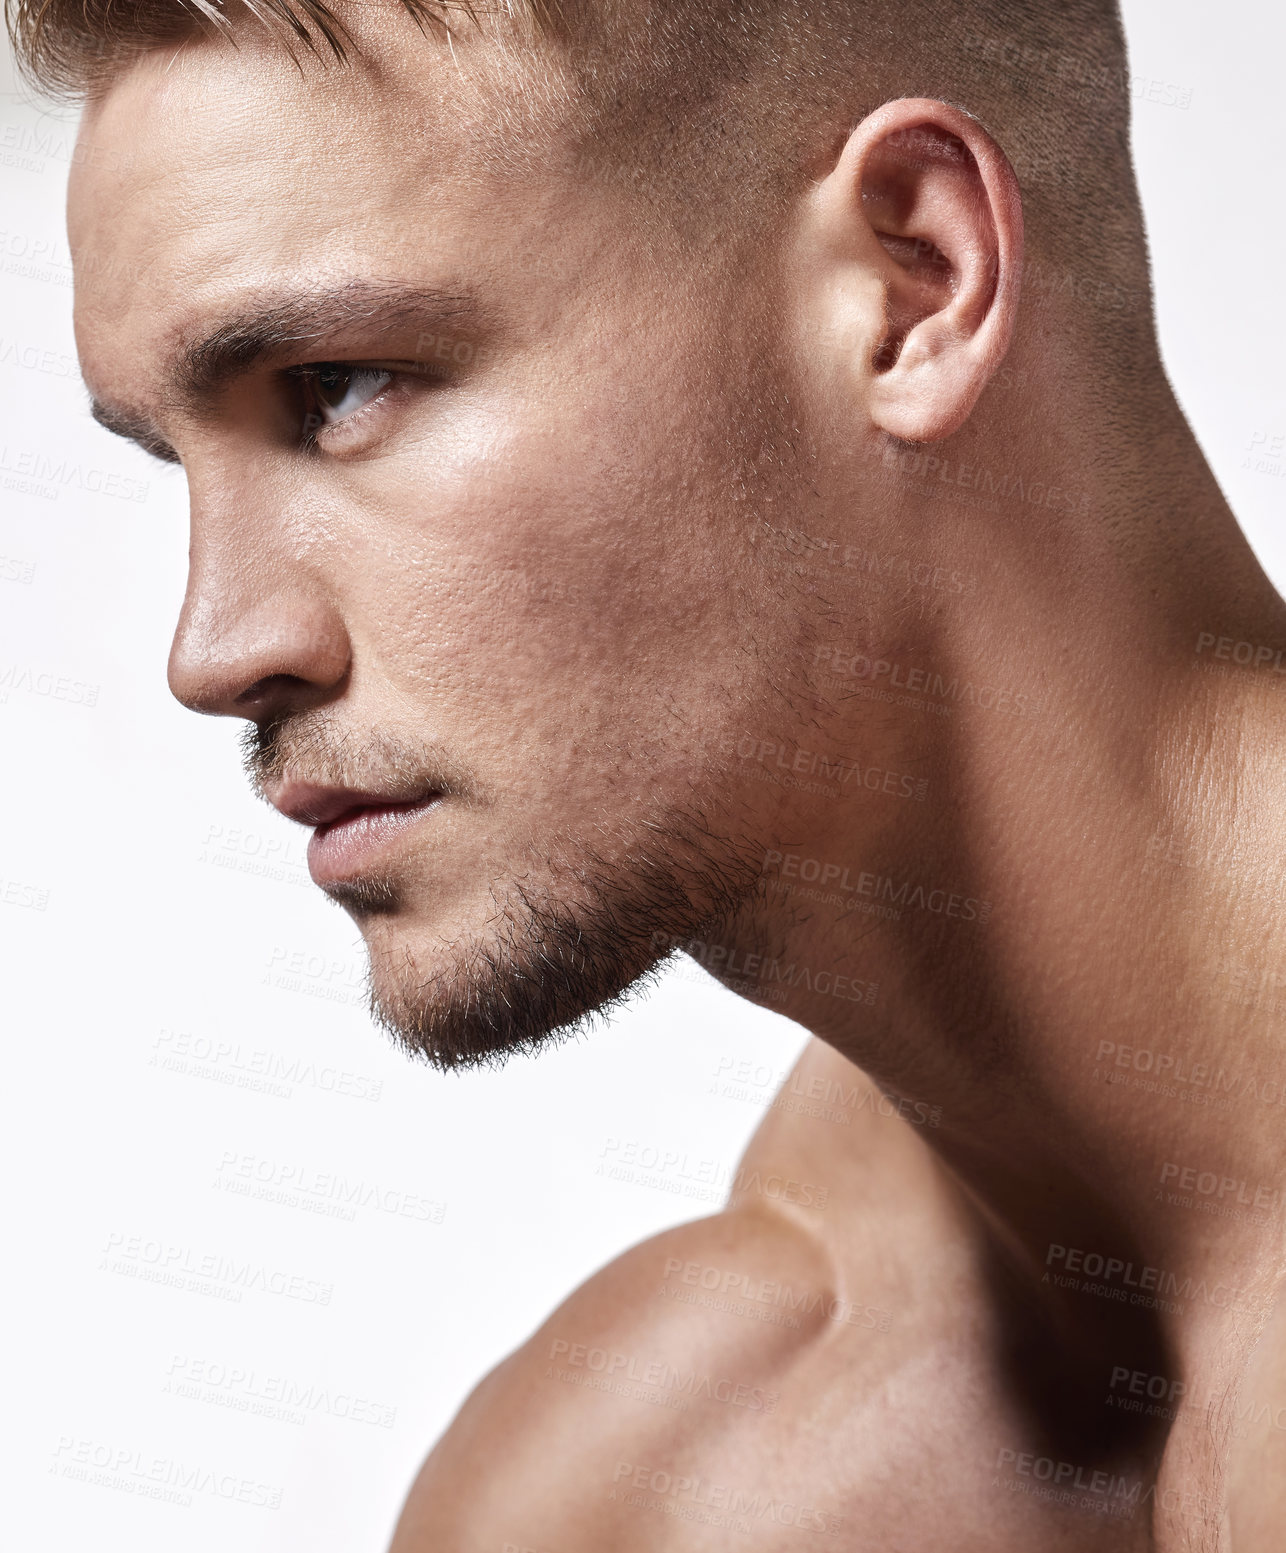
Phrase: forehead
(212, 172)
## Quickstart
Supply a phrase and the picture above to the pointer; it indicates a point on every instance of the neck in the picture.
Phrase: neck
(1073, 935)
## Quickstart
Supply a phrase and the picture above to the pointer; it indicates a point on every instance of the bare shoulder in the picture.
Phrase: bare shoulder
(677, 1351)
(709, 1379)
(762, 1372)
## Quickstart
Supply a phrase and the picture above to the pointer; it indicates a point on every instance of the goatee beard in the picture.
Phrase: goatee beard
(570, 930)
(553, 965)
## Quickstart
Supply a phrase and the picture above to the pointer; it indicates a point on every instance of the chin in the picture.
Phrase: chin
(475, 1000)
(530, 969)
(467, 977)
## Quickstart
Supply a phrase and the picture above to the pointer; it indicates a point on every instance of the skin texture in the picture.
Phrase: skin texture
(606, 576)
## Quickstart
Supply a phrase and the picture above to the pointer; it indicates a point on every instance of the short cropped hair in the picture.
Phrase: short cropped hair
(72, 48)
(745, 99)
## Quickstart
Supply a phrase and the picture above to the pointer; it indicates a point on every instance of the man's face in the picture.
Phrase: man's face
(488, 581)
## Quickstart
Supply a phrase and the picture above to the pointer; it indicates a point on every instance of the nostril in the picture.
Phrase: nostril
(272, 687)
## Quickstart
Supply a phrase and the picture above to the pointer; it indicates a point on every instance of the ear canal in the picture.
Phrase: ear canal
(889, 349)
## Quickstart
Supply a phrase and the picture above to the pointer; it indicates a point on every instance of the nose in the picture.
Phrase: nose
(258, 634)
(260, 658)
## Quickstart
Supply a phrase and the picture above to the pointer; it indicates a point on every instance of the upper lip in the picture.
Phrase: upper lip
(313, 804)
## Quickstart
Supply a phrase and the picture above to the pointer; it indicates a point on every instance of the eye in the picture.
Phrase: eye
(334, 390)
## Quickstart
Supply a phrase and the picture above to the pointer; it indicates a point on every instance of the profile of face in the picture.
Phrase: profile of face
(483, 464)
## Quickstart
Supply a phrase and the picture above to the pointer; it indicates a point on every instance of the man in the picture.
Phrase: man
(701, 476)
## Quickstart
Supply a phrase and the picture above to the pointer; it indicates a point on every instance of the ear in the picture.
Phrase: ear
(919, 229)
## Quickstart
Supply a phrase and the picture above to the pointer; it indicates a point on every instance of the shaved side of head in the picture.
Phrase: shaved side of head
(747, 98)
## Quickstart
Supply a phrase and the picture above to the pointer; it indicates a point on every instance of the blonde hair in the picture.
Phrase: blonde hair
(73, 48)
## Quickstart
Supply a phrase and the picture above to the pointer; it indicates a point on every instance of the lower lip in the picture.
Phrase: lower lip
(343, 851)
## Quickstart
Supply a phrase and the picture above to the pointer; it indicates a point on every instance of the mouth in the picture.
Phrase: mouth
(350, 829)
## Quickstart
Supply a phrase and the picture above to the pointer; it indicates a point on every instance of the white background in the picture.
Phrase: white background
(172, 918)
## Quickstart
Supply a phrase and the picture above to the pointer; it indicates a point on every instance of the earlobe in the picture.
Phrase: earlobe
(924, 200)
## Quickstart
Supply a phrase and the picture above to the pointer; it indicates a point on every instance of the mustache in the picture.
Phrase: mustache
(314, 746)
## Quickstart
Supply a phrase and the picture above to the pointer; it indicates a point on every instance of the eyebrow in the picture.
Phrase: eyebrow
(135, 428)
(279, 325)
